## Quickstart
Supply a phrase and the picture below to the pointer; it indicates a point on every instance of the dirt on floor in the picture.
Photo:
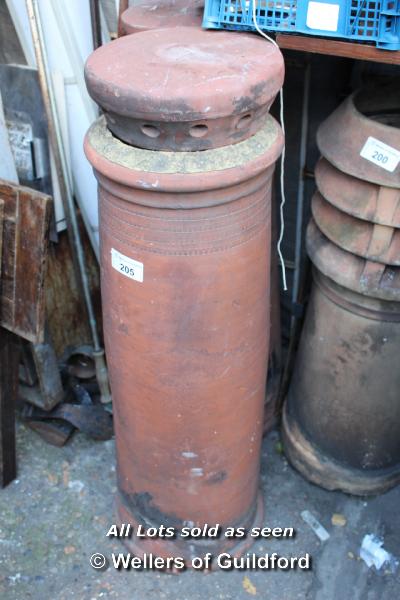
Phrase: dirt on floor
(55, 516)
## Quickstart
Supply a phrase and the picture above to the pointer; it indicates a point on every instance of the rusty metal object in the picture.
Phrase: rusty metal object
(186, 328)
(25, 242)
(55, 432)
(368, 113)
(355, 273)
(161, 14)
(93, 420)
(189, 89)
(80, 362)
(341, 425)
(56, 425)
(364, 200)
(379, 243)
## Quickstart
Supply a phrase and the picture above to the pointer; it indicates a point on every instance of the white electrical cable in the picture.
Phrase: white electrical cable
(282, 178)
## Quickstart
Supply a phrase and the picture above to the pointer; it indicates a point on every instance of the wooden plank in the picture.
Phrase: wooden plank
(352, 50)
(26, 225)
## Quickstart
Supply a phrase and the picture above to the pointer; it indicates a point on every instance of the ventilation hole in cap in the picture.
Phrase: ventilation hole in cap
(150, 131)
(243, 121)
(198, 131)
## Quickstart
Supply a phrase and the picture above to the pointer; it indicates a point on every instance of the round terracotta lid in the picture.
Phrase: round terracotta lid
(185, 89)
(162, 14)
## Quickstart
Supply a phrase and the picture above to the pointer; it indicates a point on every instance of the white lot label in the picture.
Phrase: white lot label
(127, 266)
(323, 16)
(380, 154)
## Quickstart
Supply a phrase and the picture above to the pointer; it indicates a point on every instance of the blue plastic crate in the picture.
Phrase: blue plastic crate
(375, 21)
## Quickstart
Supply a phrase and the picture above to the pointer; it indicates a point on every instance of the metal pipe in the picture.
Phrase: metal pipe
(96, 23)
(300, 189)
(66, 191)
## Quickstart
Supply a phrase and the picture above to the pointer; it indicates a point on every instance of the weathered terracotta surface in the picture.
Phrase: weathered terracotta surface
(367, 113)
(162, 14)
(185, 88)
(379, 243)
(341, 423)
(362, 199)
(187, 348)
(175, 13)
(351, 271)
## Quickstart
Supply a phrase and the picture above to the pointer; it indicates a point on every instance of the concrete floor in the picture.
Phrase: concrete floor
(56, 515)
